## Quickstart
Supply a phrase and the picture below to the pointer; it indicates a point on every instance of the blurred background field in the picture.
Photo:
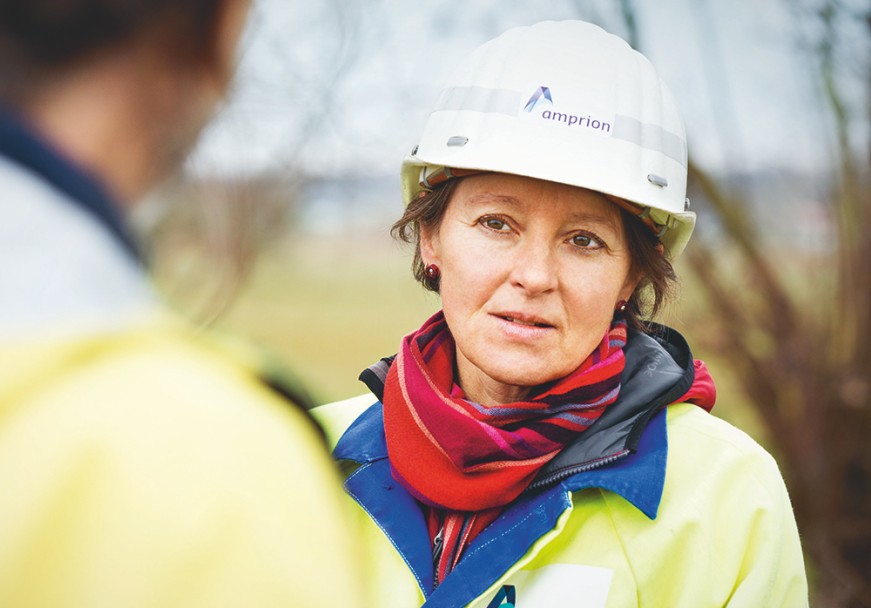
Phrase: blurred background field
(330, 308)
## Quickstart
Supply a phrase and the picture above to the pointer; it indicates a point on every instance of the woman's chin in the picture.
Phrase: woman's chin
(521, 376)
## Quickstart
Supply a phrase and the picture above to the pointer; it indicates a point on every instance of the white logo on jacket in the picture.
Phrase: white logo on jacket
(559, 585)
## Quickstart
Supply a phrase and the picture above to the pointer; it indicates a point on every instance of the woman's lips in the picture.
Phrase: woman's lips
(523, 325)
(523, 319)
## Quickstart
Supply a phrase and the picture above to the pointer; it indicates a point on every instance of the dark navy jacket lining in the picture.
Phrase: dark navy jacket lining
(22, 145)
(659, 370)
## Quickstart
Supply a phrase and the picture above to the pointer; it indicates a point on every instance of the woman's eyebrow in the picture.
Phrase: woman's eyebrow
(484, 198)
(594, 218)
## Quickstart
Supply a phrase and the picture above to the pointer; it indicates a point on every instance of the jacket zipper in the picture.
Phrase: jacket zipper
(574, 470)
(437, 546)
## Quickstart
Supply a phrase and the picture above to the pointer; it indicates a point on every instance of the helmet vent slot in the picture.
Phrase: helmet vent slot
(457, 141)
(657, 180)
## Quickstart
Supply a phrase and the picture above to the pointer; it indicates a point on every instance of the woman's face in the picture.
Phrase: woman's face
(531, 272)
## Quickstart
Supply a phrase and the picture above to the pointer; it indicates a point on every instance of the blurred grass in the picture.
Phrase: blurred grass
(329, 307)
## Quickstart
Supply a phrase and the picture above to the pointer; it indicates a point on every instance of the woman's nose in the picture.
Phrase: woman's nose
(534, 267)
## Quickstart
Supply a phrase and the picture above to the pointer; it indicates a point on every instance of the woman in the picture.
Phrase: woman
(140, 465)
(536, 442)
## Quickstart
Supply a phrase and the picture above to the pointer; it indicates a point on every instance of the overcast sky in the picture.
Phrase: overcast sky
(345, 85)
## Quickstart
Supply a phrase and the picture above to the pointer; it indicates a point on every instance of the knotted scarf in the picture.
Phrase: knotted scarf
(458, 456)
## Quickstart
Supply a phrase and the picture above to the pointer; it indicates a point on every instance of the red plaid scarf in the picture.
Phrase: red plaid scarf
(457, 456)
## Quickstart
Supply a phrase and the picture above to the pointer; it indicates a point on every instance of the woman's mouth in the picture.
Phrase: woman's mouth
(529, 323)
(524, 320)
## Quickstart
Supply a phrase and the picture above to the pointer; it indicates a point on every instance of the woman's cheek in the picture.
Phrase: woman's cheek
(475, 261)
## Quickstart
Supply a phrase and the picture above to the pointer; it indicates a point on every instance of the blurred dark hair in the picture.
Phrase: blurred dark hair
(39, 38)
(656, 274)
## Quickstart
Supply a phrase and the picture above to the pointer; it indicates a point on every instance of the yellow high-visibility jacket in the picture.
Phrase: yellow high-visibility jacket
(141, 465)
(654, 508)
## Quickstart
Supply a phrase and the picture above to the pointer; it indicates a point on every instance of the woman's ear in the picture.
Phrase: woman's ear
(629, 285)
(430, 245)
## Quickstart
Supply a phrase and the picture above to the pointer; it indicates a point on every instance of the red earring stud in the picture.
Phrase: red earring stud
(432, 272)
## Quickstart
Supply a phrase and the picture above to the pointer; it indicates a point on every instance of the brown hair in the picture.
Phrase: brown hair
(656, 273)
(39, 38)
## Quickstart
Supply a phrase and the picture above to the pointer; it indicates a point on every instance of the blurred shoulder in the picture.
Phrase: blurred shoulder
(156, 377)
(222, 476)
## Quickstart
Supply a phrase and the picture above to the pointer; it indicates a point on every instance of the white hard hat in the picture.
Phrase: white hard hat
(565, 102)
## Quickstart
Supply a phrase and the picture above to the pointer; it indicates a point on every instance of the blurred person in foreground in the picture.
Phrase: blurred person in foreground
(140, 465)
(538, 442)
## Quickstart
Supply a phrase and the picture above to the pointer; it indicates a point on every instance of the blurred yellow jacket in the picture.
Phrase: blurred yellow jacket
(143, 469)
(141, 465)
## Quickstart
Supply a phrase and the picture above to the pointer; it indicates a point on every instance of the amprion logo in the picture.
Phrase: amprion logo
(543, 94)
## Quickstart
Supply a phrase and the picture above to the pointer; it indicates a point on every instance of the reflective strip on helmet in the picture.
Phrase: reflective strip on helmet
(479, 99)
(507, 101)
(651, 137)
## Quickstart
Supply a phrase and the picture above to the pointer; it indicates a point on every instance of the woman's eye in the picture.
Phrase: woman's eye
(586, 241)
(494, 223)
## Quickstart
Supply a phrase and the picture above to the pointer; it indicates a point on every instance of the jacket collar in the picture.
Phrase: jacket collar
(21, 144)
(364, 441)
(638, 476)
